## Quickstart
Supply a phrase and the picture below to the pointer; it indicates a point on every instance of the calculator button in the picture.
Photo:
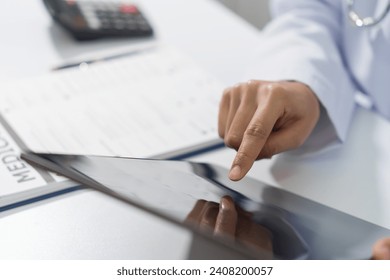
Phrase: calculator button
(128, 9)
(79, 22)
(145, 27)
(94, 24)
(110, 14)
(130, 21)
(119, 24)
(71, 2)
(141, 21)
(132, 27)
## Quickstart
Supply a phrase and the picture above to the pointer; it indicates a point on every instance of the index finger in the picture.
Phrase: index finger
(253, 141)
(225, 225)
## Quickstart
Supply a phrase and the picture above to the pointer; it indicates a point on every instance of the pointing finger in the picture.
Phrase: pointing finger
(254, 138)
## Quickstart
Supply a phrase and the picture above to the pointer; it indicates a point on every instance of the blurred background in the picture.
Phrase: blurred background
(256, 12)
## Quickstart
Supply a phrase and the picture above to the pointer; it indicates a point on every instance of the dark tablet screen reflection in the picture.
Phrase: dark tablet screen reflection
(274, 222)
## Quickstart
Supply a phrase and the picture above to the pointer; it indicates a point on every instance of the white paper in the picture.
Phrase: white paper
(19, 180)
(152, 103)
(15, 174)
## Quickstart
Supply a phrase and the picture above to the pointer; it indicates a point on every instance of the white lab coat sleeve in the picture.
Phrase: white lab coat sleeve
(303, 43)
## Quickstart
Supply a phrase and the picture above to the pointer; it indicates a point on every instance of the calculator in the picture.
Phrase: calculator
(88, 20)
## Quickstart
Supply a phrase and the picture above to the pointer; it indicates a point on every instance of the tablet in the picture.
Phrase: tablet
(248, 219)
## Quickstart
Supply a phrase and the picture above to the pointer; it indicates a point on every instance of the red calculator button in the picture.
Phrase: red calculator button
(71, 2)
(128, 9)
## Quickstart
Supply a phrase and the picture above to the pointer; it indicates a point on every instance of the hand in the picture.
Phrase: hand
(227, 220)
(381, 249)
(260, 119)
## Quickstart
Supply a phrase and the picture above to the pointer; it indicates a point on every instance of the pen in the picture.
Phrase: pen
(84, 64)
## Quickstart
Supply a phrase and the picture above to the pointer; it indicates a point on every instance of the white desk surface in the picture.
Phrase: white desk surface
(89, 225)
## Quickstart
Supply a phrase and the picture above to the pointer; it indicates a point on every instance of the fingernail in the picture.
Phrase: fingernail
(235, 173)
(226, 203)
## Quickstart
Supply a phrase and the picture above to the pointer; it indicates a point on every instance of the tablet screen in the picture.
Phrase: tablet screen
(248, 214)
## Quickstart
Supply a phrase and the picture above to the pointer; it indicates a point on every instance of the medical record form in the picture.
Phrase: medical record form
(157, 103)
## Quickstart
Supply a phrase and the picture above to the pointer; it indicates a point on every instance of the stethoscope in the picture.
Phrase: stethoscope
(365, 21)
